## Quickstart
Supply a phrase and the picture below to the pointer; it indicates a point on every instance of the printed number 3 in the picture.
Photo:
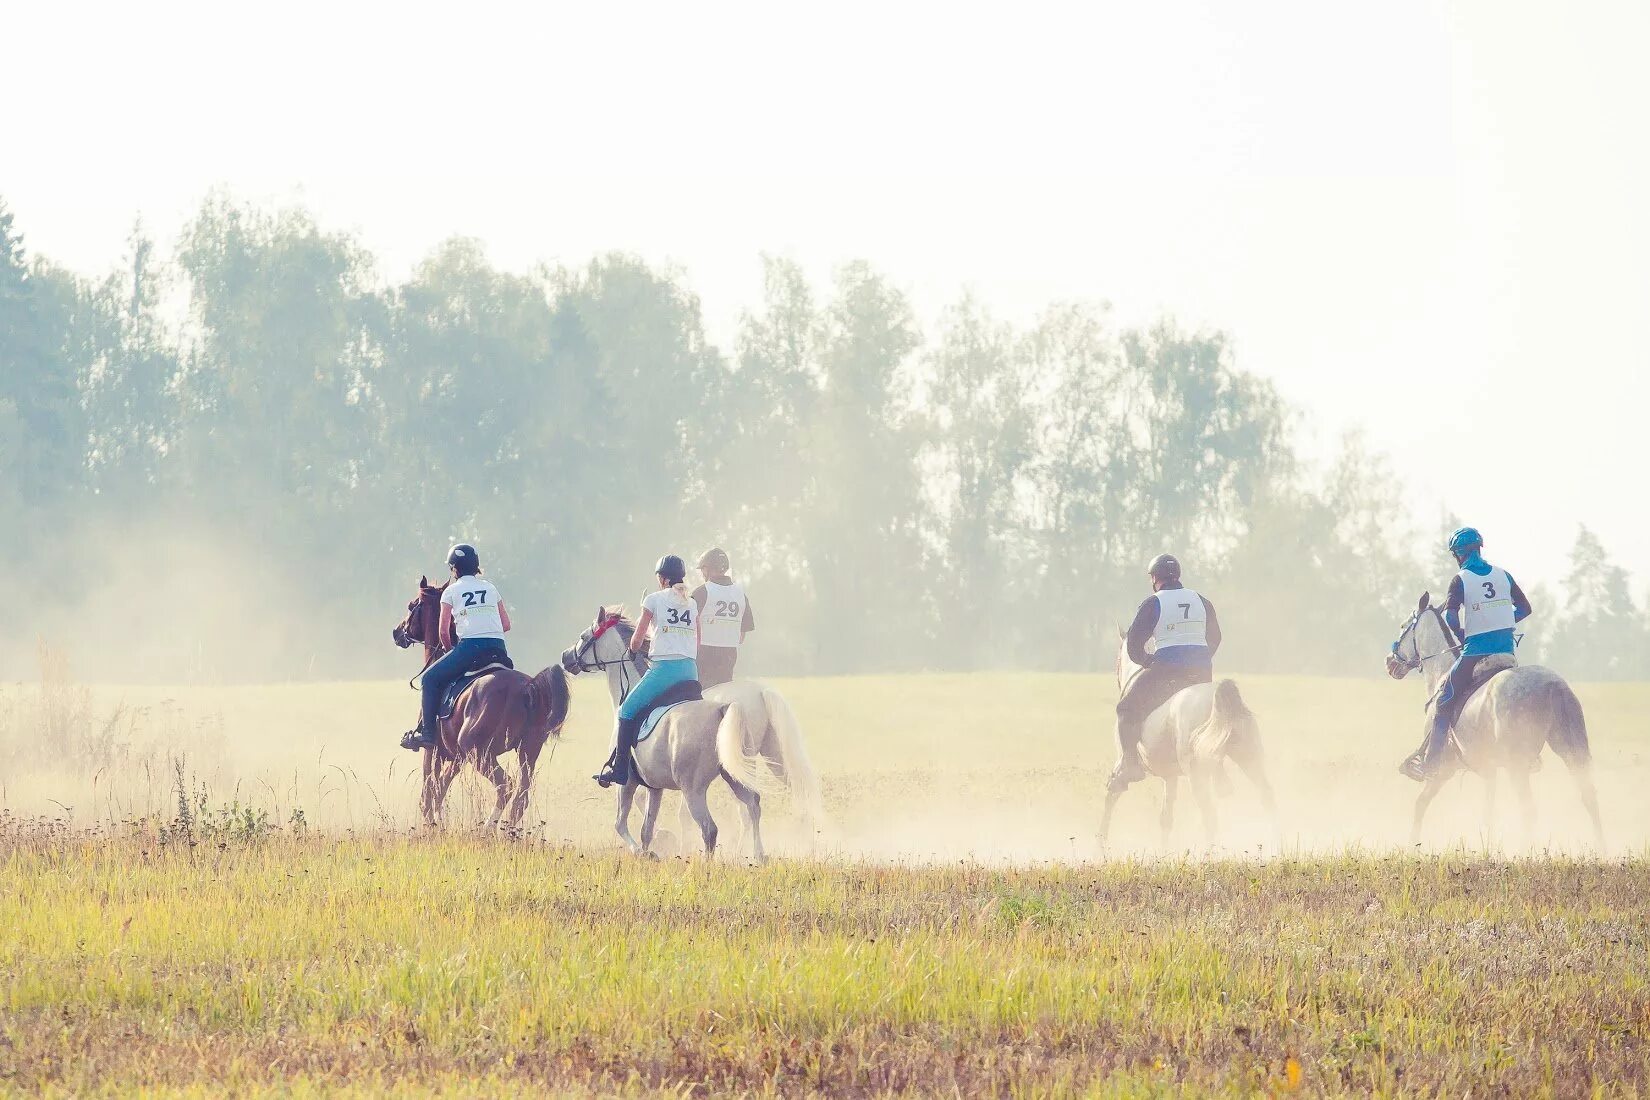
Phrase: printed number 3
(1489, 590)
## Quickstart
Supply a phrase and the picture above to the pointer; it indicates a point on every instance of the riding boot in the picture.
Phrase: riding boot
(1129, 767)
(617, 769)
(1436, 752)
(416, 739)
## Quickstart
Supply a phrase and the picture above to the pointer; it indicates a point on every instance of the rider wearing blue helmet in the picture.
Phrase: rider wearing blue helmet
(1484, 606)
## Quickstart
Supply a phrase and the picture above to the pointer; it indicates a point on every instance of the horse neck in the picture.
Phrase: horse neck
(1433, 646)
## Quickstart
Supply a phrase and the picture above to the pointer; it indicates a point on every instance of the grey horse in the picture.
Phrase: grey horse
(1193, 735)
(1505, 724)
(741, 731)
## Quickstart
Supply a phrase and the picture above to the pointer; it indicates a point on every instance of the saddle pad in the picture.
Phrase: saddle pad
(449, 699)
(652, 721)
(685, 692)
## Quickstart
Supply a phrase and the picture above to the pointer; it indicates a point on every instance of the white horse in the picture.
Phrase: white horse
(743, 731)
(1194, 734)
(1505, 723)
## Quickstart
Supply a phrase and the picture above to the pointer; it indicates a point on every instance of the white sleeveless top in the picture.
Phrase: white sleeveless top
(1486, 602)
(475, 608)
(1181, 619)
(674, 633)
(723, 615)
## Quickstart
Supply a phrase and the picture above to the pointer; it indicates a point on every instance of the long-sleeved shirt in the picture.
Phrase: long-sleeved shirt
(1145, 625)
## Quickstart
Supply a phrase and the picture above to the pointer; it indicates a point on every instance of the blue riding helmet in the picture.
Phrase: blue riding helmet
(1464, 539)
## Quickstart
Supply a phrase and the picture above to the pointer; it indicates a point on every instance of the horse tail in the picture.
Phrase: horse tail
(1231, 729)
(1567, 726)
(550, 689)
(748, 769)
(793, 756)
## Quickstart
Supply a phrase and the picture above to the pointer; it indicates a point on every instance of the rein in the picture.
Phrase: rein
(629, 665)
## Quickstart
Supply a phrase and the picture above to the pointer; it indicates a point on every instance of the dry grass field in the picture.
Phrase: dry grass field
(262, 918)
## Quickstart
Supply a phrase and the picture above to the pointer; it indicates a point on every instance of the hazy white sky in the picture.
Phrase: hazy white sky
(1428, 220)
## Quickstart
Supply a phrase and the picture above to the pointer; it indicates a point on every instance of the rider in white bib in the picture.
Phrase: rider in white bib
(724, 618)
(1186, 634)
(473, 624)
(1484, 606)
(669, 626)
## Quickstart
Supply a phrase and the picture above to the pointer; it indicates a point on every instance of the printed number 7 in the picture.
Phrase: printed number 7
(1185, 611)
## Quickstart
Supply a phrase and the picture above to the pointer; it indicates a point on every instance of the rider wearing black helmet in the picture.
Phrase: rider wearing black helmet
(473, 624)
(1183, 625)
(670, 627)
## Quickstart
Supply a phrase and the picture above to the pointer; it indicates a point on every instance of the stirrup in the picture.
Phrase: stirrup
(413, 740)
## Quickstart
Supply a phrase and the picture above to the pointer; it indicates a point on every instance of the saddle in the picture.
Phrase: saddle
(449, 698)
(1487, 669)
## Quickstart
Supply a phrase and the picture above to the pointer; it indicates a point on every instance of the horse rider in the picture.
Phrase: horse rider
(724, 618)
(669, 626)
(474, 612)
(1183, 625)
(1484, 606)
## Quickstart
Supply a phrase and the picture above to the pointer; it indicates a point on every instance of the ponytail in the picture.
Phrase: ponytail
(681, 589)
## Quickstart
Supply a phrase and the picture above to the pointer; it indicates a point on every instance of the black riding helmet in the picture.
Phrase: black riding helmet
(464, 558)
(672, 569)
(1164, 567)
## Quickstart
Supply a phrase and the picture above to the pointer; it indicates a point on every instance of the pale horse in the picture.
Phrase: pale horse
(1193, 735)
(743, 732)
(1504, 724)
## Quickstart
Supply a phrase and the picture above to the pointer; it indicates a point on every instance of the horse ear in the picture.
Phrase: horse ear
(423, 581)
(1121, 633)
(601, 613)
(1426, 601)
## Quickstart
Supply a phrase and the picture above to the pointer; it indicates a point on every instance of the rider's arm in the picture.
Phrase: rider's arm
(1212, 627)
(1452, 608)
(445, 633)
(1521, 603)
(746, 624)
(1140, 632)
(639, 639)
(504, 616)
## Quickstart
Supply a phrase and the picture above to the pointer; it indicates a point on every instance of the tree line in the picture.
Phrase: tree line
(976, 496)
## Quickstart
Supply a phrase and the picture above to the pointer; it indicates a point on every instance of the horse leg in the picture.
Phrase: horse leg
(1165, 817)
(527, 758)
(1205, 804)
(1429, 791)
(751, 802)
(489, 766)
(446, 771)
(1113, 793)
(1253, 767)
(426, 797)
(1520, 779)
(621, 825)
(699, 807)
(1582, 773)
(1490, 785)
(650, 816)
(684, 825)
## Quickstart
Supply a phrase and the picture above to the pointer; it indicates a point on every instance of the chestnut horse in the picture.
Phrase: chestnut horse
(500, 711)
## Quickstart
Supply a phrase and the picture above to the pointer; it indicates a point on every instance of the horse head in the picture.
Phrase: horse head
(604, 643)
(1405, 656)
(423, 617)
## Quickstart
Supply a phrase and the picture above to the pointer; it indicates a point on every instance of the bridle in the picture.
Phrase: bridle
(632, 664)
(1409, 628)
